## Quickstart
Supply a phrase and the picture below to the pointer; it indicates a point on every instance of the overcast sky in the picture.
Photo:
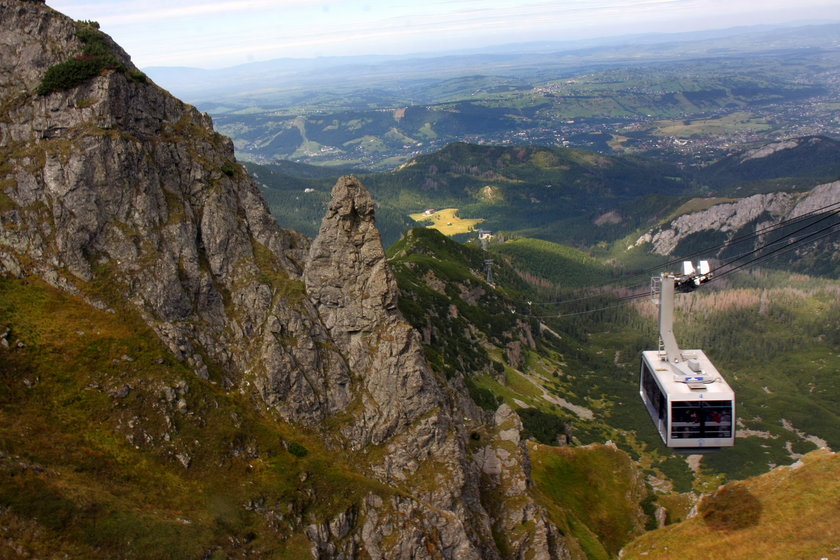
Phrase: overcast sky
(218, 33)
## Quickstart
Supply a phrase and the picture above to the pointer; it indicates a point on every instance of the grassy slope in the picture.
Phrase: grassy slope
(558, 264)
(787, 513)
(96, 421)
(592, 492)
(436, 275)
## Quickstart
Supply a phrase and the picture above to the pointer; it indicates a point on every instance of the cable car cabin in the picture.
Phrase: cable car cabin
(689, 402)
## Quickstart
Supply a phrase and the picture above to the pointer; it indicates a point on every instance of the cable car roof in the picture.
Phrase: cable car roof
(693, 378)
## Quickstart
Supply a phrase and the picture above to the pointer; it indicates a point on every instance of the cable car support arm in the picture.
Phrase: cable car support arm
(669, 283)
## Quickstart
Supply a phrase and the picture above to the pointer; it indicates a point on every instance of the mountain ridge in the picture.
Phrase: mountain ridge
(558, 194)
(115, 192)
(726, 229)
(184, 378)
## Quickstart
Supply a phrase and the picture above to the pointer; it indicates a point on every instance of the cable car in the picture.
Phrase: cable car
(690, 403)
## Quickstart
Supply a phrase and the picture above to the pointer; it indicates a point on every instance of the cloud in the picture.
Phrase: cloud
(218, 32)
(147, 11)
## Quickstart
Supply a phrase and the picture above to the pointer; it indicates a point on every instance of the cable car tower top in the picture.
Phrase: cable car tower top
(664, 287)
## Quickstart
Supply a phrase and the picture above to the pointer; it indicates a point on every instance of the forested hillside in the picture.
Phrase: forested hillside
(574, 354)
(552, 193)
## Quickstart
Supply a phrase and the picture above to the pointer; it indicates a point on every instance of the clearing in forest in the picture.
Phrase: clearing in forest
(446, 221)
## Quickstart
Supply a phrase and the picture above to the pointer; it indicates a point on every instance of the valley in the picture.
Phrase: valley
(685, 101)
(576, 357)
(569, 196)
(558, 334)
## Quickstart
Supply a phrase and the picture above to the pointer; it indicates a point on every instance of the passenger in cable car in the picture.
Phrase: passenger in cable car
(726, 424)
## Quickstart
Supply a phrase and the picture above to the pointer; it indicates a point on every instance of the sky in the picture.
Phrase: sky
(221, 33)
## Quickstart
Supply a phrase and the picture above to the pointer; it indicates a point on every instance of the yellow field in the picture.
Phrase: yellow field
(736, 122)
(446, 221)
(617, 142)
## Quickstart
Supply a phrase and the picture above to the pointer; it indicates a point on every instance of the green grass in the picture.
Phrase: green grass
(559, 264)
(789, 513)
(89, 443)
(597, 489)
(740, 121)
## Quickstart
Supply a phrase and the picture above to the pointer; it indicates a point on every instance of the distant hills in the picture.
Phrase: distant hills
(795, 164)
(542, 192)
(574, 197)
(268, 79)
(684, 98)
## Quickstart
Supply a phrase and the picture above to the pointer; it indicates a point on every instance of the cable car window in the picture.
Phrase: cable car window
(701, 419)
(654, 394)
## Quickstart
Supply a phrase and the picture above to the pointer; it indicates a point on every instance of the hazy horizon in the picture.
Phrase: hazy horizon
(224, 33)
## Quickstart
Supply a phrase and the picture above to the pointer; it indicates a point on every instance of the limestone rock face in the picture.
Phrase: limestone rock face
(346, 272)
(118, 192)
(348, 280)
(117, 183)
(396, 398)
(506, 467)
(730, 217)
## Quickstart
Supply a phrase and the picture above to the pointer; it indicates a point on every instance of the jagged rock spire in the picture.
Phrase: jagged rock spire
(346, 274)
(348, 280)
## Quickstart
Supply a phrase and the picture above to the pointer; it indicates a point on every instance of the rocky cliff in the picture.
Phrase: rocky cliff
(742, 217)
(114, 191)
